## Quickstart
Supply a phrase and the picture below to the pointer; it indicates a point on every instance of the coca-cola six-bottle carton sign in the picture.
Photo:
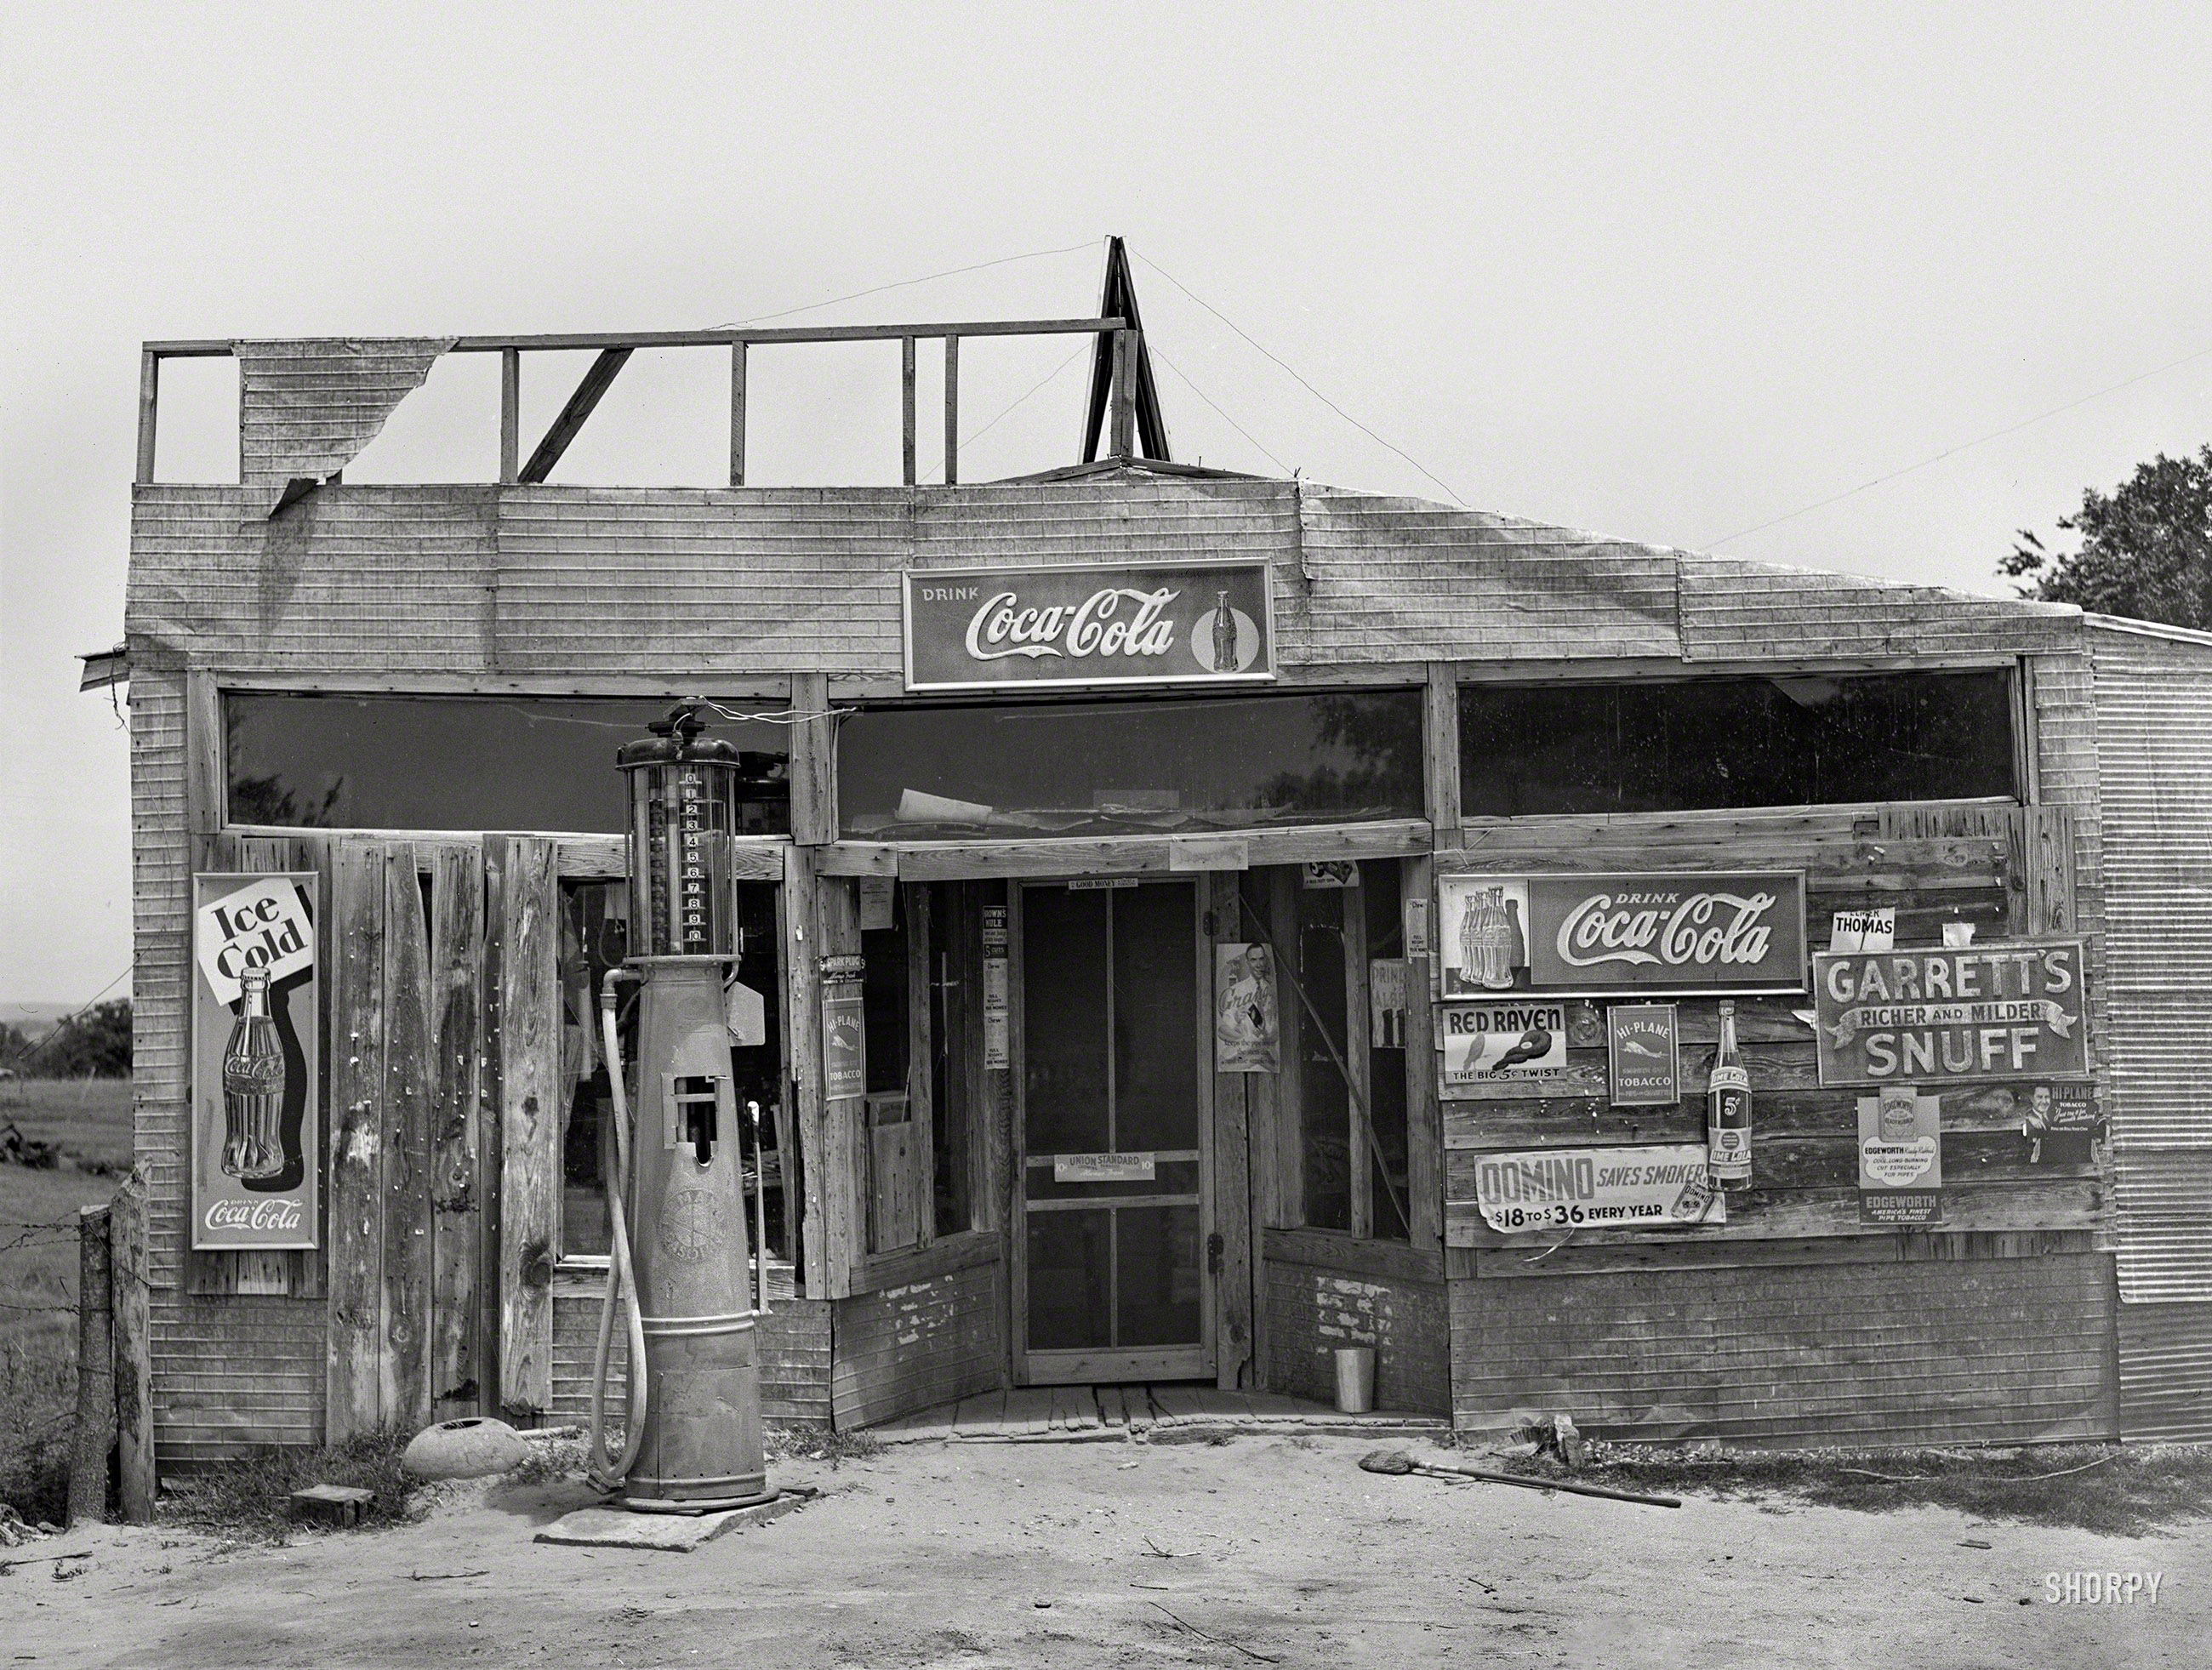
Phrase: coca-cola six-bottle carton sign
(1654, 933)
(1155, 624)
(255, 1156)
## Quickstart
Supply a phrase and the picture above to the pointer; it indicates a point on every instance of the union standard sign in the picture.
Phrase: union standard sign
(1159, 624)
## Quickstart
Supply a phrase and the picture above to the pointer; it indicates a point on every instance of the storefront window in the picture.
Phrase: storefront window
(448, 761)
(1175, 765)
(1802, 740)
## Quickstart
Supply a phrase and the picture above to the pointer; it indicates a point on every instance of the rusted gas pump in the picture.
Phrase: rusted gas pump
(679, 1266)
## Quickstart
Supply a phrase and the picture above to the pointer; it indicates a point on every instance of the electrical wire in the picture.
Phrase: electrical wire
(969, 440)
(1298, 378)
(902, 284)
(1952, 452)
(1182, 376)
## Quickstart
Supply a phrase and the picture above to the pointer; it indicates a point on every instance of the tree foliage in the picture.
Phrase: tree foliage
(2146, 548)
(95, 1044)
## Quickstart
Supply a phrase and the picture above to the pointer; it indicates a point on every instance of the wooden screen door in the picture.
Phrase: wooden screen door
(1114, 1172)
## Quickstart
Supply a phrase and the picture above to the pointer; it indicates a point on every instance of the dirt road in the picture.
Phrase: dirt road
(978, 1555)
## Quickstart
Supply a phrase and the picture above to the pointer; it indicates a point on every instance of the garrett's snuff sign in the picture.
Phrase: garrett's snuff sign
(1951, 1014)
(1156, 624)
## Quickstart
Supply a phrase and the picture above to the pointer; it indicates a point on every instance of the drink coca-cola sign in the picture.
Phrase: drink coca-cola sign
(1158, 623)
(256, 1160)
(1648, 932)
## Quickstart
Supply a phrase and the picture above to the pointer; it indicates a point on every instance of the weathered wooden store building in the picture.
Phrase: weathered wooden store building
(1284, 918)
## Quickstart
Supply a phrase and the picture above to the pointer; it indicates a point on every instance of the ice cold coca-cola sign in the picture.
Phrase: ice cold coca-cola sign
(256, 1162)
(1161, 623)
(1647, 933)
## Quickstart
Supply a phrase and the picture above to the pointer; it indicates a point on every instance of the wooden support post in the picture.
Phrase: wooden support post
(906, 409)
(1282, 910)
(920, 1058)
(952, 410)
(456, 950)
(352, 1396)
(1359, 1100)
(813, 764)
(1424, 1145)
(737, 414)
(531, 1108)
(95, 1371)
(834, 1165)
(802, 983)
(404, 1148)
(1232, 1166)
(132, 1354)
(149, 409)
(1125, 394)
(1440, 751)
(510, 415)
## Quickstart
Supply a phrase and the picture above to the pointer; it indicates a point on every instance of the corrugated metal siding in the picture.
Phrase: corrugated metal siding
(307, 406)
(2155, 755)
(2010, 1350)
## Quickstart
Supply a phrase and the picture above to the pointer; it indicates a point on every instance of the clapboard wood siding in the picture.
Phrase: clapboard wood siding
(626, 582)
(1323, 1292)
(309, 405)
(793, 1339)
(921, 1342)
(1883, 1351)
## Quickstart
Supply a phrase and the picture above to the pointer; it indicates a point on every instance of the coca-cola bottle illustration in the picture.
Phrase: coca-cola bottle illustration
(1495, 943)
(254, 1085)
(1224, 633)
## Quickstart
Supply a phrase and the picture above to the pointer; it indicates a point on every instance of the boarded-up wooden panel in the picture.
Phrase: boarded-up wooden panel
(528, 1046)
(355, 1215)
(456, 951)
(908, 1347)
(895, 1186)
(1886, 1352)
(404, 1149)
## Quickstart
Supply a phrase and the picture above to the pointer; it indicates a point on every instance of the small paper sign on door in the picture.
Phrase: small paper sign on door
(1101, 1167)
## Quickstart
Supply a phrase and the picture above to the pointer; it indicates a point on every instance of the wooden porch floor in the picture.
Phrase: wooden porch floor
(1161, 1413)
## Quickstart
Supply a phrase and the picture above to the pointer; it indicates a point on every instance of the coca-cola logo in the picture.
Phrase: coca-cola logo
(275, 1216)
(1697, 930)
(1003, 627)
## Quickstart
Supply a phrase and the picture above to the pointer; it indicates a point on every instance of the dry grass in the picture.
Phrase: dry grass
(2111, 1490)
(807, 1441)
(249, 1500)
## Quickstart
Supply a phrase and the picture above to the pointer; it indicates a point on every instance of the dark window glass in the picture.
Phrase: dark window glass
(444, 762)
(1327, 1138)
(1386, 1068)
(1803, 740)
(1031, 768)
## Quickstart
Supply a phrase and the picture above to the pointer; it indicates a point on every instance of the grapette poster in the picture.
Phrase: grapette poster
(1247, 1033)
(256, 1157)
(1647, 933)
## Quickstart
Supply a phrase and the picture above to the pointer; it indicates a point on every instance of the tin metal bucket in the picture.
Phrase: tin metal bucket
(1355, 1379)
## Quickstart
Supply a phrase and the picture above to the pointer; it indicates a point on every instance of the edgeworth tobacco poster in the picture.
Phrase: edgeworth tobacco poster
(256, 1155)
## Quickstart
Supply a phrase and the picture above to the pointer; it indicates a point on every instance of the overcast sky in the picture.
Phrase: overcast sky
(1664, 271)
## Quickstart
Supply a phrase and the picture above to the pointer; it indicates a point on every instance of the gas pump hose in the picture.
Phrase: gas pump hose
(606, 1470)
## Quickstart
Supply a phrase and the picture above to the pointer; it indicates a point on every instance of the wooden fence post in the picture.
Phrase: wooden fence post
(131, 1357)
(95, 1371)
